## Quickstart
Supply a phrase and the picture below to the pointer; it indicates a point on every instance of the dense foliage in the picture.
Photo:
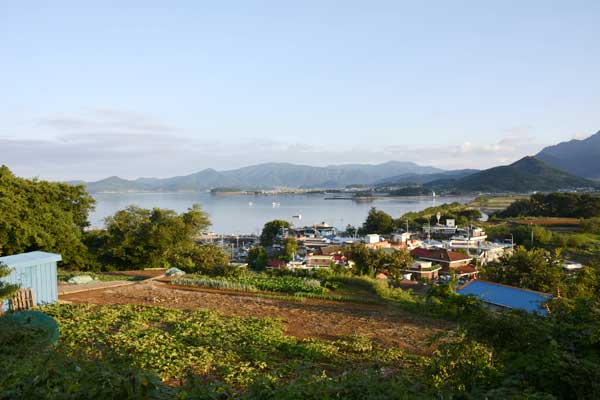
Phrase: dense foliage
(460, 213)
(581, 246)
(555, 205)
(137, 238)
(289, 250)
(40, 215)
(6, 289)
(542, 270)
(371, 262)
(257, 258)
(252, 282)
(378, 222)
(271, 230)
(155, 353)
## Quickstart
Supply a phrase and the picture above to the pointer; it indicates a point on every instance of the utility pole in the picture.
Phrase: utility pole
(531, 236)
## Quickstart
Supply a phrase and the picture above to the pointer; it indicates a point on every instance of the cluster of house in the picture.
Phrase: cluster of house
(439, 250)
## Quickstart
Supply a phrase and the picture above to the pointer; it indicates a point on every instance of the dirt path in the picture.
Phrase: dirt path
(65, 288)
(311, 318)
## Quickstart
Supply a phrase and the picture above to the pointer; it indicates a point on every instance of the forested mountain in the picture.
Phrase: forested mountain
(425, 178)
(526, 175)
(267, 176)
(578, 157)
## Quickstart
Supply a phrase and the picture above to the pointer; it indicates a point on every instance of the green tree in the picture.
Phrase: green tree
(257, 258)
(460, 365)
(207, 259)
(399, 261)
(270, 231)
(290, 248)
(6, 289)
(351, 230)
(535, 269)
(40, 215)
(378, 222)
(555, 205)
(142, 238)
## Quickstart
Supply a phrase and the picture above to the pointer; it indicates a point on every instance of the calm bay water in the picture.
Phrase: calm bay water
(244, 214)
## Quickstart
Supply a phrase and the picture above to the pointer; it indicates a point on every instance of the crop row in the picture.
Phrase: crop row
(253, 283)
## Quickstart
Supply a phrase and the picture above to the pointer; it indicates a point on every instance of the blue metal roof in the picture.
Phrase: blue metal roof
(31, 258)
(506, 296)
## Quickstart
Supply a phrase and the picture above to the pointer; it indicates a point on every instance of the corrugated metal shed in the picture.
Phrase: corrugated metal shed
(506, 296)
(36, 270)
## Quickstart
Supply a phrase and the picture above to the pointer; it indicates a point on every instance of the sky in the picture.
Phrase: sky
(148, 88)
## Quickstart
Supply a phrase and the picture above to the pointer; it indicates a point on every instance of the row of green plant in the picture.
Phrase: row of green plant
(255, 282)
(137, 352)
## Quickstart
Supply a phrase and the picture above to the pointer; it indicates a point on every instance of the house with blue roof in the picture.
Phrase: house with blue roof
(501, 297)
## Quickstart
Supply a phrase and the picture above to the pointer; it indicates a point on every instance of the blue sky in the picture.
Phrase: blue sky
(163, 88)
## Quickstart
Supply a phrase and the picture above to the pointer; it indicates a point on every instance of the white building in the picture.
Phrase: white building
(372, 238)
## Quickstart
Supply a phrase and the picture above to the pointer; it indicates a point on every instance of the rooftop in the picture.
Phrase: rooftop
(506, 296)
(440, 255)
(31, 258)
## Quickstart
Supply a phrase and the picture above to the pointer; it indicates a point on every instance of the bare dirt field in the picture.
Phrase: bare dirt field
(307, 319)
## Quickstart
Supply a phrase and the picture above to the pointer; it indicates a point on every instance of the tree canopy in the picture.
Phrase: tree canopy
(270, 231)
(141, 238)
(6, 289)
(572, 205)
(41, 215)
(371, 262)
(378, 222)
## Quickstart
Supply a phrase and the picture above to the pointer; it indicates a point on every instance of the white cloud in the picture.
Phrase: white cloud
(104, 142)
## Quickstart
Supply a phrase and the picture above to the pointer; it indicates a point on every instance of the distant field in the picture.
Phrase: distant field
(548, 221)
(495, 203)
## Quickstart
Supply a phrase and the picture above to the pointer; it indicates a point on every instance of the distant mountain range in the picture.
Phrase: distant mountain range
(578, 157)
(265, 176)
(565, 166)
(526, 175)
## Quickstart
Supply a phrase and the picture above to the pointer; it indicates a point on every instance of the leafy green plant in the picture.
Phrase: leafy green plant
(253, 283)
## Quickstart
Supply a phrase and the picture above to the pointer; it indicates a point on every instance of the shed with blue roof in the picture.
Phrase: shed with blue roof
(500, 296)
(36, 270)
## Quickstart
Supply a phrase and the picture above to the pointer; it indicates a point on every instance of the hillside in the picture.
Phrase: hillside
(526, 175)
(421, 179)
(578, 157)
(267, 176)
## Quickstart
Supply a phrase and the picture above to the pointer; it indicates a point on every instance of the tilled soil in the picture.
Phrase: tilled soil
(307, 319)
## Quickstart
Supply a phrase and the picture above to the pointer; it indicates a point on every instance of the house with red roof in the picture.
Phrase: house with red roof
(449, 260)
